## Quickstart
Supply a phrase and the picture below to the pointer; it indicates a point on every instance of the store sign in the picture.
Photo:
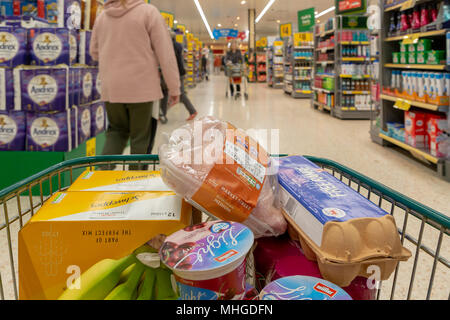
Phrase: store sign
(301, 37)
(354, 22)
(306, 19)
(168, 17)
(350, 6)
(182, 28)
(285, 30)
(278, 43)
(179, 38)
(242, 35)
(90, 147)
(225, 33)
(261, 43)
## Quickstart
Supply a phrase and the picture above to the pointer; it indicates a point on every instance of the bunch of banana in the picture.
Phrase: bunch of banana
(123, 279)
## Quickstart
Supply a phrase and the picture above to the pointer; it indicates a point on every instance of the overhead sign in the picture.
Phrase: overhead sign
(182, 28)
(306, 19)
(350, 6)
(225, 33)
(168, 17)
(261, 43)
(285, 30)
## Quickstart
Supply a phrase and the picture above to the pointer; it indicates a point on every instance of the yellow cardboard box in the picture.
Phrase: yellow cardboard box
(119, 181)
(73, 231)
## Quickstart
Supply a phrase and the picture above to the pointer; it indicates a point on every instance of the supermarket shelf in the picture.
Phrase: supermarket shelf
(323, 34)
(405, 146)
(418, 104)
(303, 91)
(325, 62)
(397, 6)
(302, 68)
(362, 59)
(302, 78)
(354, 42)
(355, 92)
(302, 58)
(304, 47)
(324, 75)
(324, 106)
(417, 66)
(322, 90)
(365, 76)
(351, 113)
(418, 35)
(325, 49)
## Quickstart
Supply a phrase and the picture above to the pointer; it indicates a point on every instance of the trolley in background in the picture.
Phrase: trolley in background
(237, 75)
(430, 258)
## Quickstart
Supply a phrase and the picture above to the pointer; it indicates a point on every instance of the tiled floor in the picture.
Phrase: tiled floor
(305, 131)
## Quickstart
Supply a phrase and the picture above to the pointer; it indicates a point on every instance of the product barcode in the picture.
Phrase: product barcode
(290, 207)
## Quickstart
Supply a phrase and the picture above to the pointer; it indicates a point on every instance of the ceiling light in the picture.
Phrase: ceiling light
(187, 31)
(200, 10)
(263, 12)
(243, 2)
(238, 18)
(236, 25)
(278, 21)
(219, 25)
(325, 12)
(175, 21)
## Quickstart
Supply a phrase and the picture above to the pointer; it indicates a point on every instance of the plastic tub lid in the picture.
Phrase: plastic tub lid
(303, 288)
(207, 250)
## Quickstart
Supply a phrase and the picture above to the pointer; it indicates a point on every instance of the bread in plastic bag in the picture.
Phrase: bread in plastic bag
(186, 176)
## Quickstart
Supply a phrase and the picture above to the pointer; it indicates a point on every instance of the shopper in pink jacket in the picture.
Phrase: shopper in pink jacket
(130, 40)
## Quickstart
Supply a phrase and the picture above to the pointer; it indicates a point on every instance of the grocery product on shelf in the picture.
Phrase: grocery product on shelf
(84, 123)
(100, 234)
(51, 131)
(84, 55)
(98, 118)
(208, 260)
(13, 51)
(212, 185)
(302, 288)
(12, 130)
(327, 216)
(52, 46)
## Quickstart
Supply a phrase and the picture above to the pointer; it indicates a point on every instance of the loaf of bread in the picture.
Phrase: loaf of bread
(186, 163)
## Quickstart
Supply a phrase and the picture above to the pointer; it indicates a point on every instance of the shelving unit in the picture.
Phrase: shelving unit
(341, 67)
(376, 46)
(261, 65)
(395, 99)
(352, 64)
(276, 65)
(288, 51)
(251, 67)
(323, 65)
(190, 62)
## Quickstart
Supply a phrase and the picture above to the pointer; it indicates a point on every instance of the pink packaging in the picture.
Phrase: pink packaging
(287, 259)
(436, 125)
(415, 129)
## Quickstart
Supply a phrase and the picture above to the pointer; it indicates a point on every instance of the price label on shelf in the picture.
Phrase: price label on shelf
(402, 104)
(410, 39)
(408, 4)
(90, 147)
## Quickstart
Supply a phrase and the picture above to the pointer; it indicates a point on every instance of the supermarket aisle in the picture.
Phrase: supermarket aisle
(311, 132)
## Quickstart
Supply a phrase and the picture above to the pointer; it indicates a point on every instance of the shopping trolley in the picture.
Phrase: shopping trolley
(430, 256)
(236, 73)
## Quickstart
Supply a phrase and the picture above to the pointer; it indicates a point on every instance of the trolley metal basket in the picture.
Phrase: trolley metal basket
(237, 74)
(423, 230)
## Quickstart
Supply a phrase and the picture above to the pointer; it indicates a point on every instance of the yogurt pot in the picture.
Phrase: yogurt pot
(302, 288)
(208, 260)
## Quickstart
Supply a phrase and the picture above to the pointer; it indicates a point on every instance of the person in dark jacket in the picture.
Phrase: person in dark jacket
(234, 56)
(183, 97)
